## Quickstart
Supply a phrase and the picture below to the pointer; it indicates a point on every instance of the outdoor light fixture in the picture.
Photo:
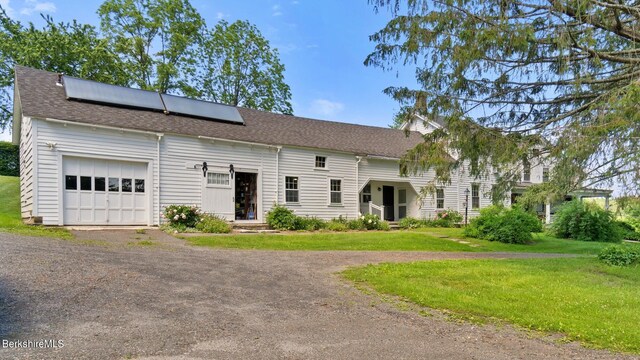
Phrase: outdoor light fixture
(231, 171)
(379, 188)
(466, 205)
(204, 169)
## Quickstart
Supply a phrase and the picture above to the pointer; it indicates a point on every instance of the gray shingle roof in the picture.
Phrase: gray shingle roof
(40, 97)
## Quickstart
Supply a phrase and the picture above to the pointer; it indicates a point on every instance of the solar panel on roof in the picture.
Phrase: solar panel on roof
(203, 109)
(81, 89)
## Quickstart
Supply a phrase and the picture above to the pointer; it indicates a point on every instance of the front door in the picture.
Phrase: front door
(388, 201)
(246, 196)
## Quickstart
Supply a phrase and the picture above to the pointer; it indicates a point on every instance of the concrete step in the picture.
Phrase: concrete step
(250, 226)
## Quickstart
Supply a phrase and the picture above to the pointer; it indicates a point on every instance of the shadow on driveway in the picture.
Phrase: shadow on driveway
(10, 314)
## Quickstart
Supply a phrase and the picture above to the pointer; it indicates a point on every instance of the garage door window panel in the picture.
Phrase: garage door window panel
(85, 183)
(139, 185)
(114, 184)
(99, 184)
(126, 185)
(71, 182)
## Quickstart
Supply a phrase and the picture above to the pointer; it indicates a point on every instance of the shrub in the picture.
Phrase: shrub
(508, 225)
(282, 218)
(336, 225)
(355, 224)
(213, 224)
(618, 255)
(412, 223)
(9, 159)
(384, 226)
(447, 218)
(370, 221)
(586, 222)
(627, 231)
(182, 216)
(309, 223)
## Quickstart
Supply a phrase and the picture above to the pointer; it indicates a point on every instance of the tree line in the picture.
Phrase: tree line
(159, 45)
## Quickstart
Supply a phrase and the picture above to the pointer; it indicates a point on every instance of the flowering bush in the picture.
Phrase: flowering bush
(373, 222)
(182, 215)
(450, 216)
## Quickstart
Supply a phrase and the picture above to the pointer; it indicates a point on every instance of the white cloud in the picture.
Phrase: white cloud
(7, 7)
(221, 15)
(34, 6)
(276, 10)
(325, 107)
(295, 2)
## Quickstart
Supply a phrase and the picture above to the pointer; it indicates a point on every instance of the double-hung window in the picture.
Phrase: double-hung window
(321, 162)
(336, 191)
(545, 174)
(526, 173)
(366, 194)
(440, 198)
(291, 190)
(475, 196)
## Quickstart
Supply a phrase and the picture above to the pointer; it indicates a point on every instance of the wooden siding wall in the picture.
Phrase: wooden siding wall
(181, 183)
(26, 167)
(79, 140)
(314, 183)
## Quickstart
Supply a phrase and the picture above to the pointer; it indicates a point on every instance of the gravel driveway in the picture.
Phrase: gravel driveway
(111, 298)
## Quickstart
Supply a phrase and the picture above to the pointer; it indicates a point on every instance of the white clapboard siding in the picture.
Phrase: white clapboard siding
(181, 181)
(86, 141)
(313, 183)
(26, 168)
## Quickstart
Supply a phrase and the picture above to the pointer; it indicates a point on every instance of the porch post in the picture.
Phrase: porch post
(606, 202)
(547, 212)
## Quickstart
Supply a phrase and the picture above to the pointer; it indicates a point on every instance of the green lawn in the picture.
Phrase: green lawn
(10, 212)
(397, 240)
(579, 297)
(418, 240)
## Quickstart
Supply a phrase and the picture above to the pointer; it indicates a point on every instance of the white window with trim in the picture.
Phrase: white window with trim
(335, 187)
(366, 194)
(218, 178)
(475, 196)
(321, 162)
(545, 174)
(526, 171)
(440, 198)
(291, 189)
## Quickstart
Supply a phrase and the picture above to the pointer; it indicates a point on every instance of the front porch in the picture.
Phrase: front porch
(546, 210)
(390, 200)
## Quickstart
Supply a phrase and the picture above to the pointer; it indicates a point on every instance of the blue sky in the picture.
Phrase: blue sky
(322, 44)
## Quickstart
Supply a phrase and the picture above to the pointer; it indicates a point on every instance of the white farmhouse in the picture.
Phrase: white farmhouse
(97, 154)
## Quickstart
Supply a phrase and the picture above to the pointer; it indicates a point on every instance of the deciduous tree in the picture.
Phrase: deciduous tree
(71, 48)
(239, 67)
(510, 76)
(156, 39)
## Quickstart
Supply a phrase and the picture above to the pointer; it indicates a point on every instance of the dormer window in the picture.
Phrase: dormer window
(321, 162)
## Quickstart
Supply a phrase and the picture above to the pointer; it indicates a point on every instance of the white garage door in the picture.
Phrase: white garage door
(104, 192)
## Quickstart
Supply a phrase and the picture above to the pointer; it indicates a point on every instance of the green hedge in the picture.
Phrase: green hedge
(9, 159)
(586, 222)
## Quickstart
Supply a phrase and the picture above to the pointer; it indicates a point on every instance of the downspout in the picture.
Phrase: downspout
(278, 173)
(158, 177)
(358, 159)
